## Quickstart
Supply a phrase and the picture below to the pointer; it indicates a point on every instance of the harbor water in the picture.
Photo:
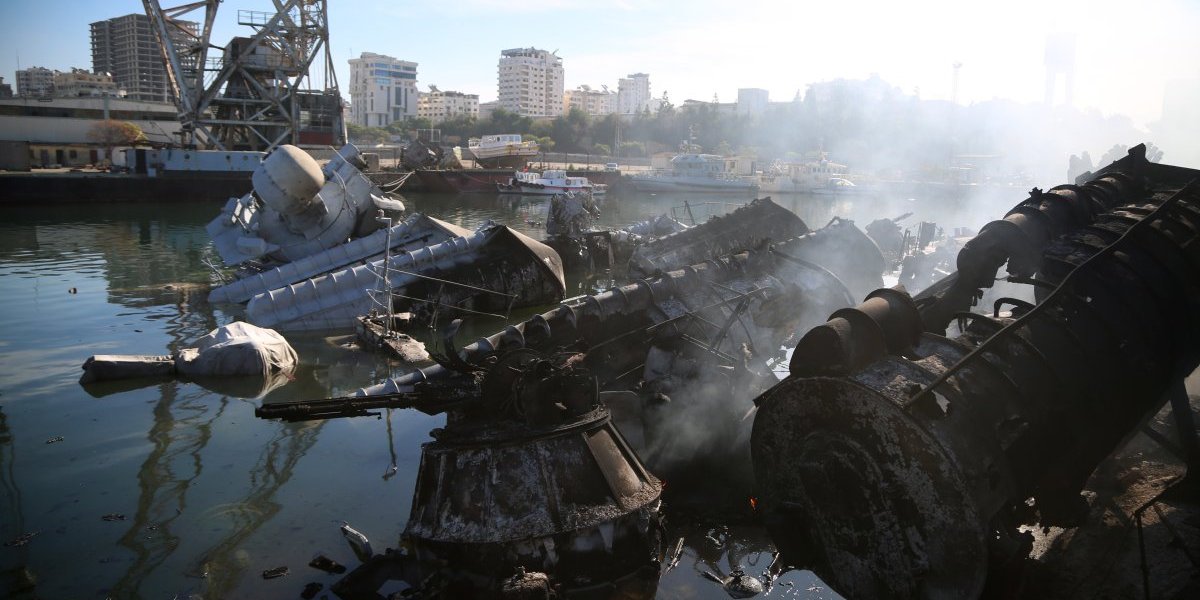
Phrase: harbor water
(174, 490)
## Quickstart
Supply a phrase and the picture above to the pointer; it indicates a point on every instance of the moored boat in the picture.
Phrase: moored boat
(813, 177)
(548, 183)
(692, 172)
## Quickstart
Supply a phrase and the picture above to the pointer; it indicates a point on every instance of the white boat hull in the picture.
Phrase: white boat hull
(671, 184)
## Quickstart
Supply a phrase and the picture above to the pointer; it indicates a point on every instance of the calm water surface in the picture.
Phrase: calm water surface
(208, 495)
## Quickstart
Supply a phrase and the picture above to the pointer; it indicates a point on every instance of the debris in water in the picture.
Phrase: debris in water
(526, 585)
(113, 517)
(311, 590)
(738, 584)
(673, 558)
(54, 440)
(276, 572)
(326, 564)
(21, 540)
(358, 543)
(237, 349)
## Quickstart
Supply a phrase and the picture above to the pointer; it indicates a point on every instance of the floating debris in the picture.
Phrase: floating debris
(324, 563)
(238, 349)
(54, 440)
(737, 584)
(524, 585)
(22, 539)
(358, 543)
(311, 590)
(276, 572)
(113, 517)
(674, 556)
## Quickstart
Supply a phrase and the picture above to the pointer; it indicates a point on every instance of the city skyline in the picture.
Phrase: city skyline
(702, 48)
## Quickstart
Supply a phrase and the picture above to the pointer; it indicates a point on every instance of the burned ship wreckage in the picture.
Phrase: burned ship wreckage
(893, 458)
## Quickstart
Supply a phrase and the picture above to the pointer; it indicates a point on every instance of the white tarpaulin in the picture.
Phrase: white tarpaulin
(238, 348)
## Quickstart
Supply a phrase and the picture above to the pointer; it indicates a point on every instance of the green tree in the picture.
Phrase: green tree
(601, 149)
(503, 121)
(632, 149)
(112, 133)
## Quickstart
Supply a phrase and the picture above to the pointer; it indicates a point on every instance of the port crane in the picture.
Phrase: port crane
(254, 93)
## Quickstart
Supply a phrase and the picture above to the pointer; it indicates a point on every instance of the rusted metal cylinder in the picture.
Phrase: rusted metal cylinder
(897, 480)
(844, 250)
(886, 322)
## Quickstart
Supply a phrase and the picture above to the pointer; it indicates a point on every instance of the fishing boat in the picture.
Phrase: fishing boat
(503, 150)
(548, 183)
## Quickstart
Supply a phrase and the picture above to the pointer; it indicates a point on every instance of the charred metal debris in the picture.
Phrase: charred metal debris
(897, 462)
(892, 460)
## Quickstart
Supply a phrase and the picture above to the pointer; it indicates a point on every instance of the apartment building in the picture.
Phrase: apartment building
(531, 82)
(126, 48)
(593, 102)
(438, 106)
(752, 101)
(382, 89)
(81, 83)
(35, 82)
(633, 93)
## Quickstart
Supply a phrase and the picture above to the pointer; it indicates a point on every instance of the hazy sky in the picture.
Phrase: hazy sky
(695, 48)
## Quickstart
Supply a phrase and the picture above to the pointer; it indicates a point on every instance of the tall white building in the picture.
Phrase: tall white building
(382, 89)
(633, 94)
(35, 82)
(752, 101)
(438, 106)
(531, 82)
(592, 102)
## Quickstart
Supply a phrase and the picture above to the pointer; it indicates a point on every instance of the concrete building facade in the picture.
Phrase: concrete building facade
(382, 89)
(58, 131)
(438, 106)
(487, 108)
(590, 101)
(752, 101)
(530, 82)
(633, 93)
(127, 49)
(81, 83)
(35, 82)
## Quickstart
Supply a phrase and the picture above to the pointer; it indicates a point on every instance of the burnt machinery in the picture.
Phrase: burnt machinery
(529, 433)
(898, 463)
(528, 476)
